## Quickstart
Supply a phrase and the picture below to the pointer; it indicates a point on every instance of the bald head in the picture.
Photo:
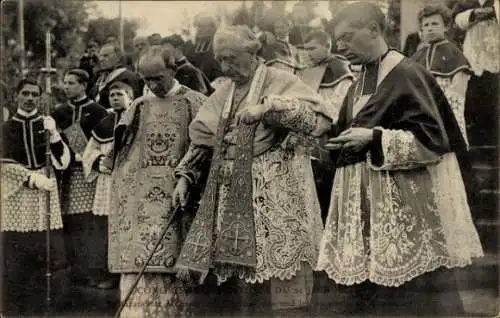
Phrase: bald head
(157, 57)
(157, 66)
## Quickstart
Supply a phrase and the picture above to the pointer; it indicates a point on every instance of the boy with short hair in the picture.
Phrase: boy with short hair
(444, 60)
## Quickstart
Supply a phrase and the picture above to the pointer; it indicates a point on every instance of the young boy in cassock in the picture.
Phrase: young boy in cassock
(25, 188)
(444, 60)
(399, 215)
(76, 119)
(99, 154)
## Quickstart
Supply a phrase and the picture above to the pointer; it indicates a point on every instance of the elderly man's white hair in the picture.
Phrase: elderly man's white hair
(237, 38)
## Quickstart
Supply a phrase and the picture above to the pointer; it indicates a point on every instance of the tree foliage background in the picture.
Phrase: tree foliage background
(72, 28)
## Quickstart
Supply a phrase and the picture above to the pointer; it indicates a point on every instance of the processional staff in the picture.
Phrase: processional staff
(48, 71)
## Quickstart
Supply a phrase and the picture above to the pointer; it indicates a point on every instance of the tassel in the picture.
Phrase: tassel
(183, 275)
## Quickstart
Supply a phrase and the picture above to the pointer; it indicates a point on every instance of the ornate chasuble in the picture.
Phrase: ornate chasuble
(143, 180)
(76, 121)
(235, 245)
(398, 207)
(23, 209)
(280, 187)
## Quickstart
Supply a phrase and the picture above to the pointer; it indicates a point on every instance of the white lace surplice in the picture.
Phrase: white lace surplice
(481, 44)
(102, 199)
(392, 223)
(455, 88)
(24, 209)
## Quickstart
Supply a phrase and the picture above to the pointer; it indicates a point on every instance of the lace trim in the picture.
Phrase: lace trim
(291, 113)
(457, 103)
(287, 215)
(401, 150)
(334, 274)
(482, 47)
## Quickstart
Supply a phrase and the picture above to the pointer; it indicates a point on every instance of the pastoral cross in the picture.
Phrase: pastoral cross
(198, 243)
(236, 237)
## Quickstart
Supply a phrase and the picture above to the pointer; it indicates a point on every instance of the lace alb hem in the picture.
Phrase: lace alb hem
(441, 261)
(58, 226)
(259, 278)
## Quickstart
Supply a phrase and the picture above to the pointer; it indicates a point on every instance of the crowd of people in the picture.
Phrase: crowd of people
(282, 148)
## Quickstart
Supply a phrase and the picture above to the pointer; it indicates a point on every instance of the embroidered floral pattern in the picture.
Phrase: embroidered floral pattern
(292, 114)
(287, 214)
(143, 181)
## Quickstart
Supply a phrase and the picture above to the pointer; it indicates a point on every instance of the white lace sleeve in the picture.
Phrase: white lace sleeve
(462, 19)
(399, 150)
(456, 97)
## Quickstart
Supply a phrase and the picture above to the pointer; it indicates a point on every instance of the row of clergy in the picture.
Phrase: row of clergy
(397, 210)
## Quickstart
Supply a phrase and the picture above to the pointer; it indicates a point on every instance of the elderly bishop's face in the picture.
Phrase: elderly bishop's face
(235, 65)
(158, 77)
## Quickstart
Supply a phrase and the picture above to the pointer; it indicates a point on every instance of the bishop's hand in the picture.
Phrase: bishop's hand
(181, 191)
(353, 139)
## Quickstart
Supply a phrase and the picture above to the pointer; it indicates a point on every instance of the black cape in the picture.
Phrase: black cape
(409, 98)
(188, 75)
(442, 58)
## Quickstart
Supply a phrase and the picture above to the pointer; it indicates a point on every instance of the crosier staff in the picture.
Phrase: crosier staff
(48, 70)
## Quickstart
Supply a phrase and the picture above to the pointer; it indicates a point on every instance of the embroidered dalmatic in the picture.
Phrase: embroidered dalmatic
(452, 72)
(76, 121)
(23, 154)
(150, 140)
(398, 206)
(259, 217)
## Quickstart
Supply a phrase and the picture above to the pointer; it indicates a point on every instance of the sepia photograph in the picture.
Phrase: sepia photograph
(274, 159)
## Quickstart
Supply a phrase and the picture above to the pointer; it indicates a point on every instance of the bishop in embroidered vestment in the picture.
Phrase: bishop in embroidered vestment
(24, 197)
(150, 140)
(259, 217)
(76, 119)
(398, 210)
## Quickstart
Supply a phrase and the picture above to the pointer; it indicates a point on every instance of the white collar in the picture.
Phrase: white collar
(25, 113)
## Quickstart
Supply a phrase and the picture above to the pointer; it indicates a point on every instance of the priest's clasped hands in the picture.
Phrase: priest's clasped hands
(353, 139)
